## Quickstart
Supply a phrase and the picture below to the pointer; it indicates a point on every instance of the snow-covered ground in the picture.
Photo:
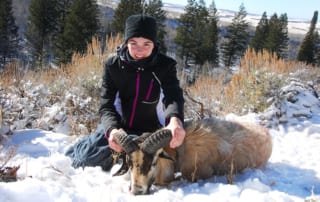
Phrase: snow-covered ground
(291, 174)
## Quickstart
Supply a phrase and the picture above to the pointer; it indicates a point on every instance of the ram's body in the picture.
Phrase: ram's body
(211, 147)
(216, 147)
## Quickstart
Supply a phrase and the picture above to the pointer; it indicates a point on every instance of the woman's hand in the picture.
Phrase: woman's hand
(177, 130)
(112, 143)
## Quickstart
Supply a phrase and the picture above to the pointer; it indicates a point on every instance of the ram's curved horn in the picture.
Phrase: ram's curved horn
(160, 138)
(142, 137)
(125, 141)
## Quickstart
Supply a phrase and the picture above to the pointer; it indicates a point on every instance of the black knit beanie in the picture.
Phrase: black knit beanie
(141, 26)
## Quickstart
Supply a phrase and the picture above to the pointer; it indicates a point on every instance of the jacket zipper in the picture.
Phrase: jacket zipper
(149, 90)
(135, 100)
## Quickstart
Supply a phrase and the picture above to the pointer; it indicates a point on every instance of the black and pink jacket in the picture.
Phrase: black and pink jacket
(138, 85)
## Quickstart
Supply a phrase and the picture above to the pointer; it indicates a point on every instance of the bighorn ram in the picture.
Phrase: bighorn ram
(211, 147)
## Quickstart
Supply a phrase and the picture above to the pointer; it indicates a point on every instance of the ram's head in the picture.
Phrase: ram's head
(142, 154)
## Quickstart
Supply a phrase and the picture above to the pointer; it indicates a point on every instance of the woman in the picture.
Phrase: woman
(136, 75)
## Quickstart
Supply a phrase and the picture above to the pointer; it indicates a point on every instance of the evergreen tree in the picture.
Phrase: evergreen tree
(277, 40)
(200, 35)
(154, 9)
(124, 9)
(213, 35)
(273, 38)
(258, 42)
(60, 46)
(283, 46)
(317, 50)
(80, 26)
(236, 39)
(184, 38)
(9, 37)
(309, 47)
(197, 34)
(41, 25)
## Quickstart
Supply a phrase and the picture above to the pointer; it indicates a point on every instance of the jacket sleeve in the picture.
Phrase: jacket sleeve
(110, 118)
(173, 95)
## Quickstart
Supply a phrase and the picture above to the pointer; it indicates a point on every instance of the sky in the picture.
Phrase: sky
(294, 8)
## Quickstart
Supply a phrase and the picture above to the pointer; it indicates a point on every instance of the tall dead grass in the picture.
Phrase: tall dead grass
(214, 93)
(259, 75)
(204, 96)
(258, 78)
(82, 76)
(92, 61)
(81, 66)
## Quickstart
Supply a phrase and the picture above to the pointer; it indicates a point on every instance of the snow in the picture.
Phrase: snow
(45, 174)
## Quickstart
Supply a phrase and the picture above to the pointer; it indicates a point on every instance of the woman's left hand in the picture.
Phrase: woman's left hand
(177, 130)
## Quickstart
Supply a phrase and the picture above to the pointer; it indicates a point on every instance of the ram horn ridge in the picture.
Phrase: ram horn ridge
(156, 140)
(126, 142)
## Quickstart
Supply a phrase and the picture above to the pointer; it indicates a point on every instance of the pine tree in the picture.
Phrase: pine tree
(80, 26)
(309, 47)
(184, 38)
(41, 25)
(59, 45)
(261, 34)
(9, 37)
(283, 46)
(154, 9)
(213, 36)
(317, 50)
(236, 39)
(204, 35)
(273, 38)
(197, 34)
(277, 40)
(124, 9)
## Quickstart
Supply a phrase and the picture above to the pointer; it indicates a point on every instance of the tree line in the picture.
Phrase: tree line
(58, 28)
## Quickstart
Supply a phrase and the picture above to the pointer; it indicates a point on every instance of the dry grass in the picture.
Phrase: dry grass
(203, 96)
(80, 67)
(81, 77)
(11, 75)
(260, 73)
(214, 93)
(84, 73)
(264, 60)
(259, 76)
(92, 61)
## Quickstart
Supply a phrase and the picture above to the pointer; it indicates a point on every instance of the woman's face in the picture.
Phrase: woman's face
(140, 48)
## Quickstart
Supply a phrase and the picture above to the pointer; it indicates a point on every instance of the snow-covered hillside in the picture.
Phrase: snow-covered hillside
(295, 26)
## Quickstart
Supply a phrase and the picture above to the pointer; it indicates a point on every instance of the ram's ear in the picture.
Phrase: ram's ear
(124, 166)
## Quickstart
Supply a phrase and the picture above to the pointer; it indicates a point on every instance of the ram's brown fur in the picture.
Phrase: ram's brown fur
(213, 147)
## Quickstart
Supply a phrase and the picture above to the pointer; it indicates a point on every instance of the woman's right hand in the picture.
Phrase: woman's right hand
(112, 143)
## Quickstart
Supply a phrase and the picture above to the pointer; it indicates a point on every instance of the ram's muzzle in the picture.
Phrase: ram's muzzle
(142, 154)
